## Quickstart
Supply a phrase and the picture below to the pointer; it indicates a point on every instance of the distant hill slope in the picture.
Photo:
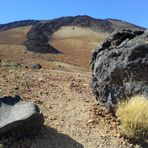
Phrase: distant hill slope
(15, 32)
(14, 36)
(120, 24)
(40, 34)
(17, 24)
(75, 37)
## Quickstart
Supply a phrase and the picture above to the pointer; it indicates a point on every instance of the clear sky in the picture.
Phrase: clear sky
(133, 11)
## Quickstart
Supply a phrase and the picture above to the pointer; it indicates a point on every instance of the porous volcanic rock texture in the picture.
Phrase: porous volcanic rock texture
(120, 66)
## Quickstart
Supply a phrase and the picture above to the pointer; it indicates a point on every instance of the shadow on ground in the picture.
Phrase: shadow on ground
(141, 143)
(145, 145)
(48, 138)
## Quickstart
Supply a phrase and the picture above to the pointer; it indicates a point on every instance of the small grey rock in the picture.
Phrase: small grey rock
(36, 66)
(19, 118)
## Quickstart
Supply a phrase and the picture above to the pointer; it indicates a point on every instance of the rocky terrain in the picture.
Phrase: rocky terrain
(72, 116)
(74, 37)
(59, 84)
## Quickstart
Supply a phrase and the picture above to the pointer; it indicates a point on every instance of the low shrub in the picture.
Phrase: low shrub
(133, 118)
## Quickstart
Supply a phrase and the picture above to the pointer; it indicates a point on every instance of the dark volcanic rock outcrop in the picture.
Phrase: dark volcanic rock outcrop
(39, 35)
(37, 40)
(120, 66)
(19, 118)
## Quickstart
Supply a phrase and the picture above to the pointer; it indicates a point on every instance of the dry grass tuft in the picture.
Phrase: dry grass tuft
(133, 117)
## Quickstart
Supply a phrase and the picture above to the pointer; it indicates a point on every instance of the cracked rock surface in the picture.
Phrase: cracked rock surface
(120, 66)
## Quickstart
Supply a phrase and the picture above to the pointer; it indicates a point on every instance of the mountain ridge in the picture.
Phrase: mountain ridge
(39, 35)
(74, 37)
(21, 23)
(15, 24)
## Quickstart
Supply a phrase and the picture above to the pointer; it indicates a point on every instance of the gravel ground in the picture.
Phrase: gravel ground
(73, 119)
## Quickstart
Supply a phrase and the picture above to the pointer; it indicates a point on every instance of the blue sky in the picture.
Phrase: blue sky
(133, 11)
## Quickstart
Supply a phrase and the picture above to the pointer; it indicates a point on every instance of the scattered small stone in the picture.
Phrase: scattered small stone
(26, 67)
(36, 66)
(90, 121)
(16, 87)
(39, 102)
(87, 101)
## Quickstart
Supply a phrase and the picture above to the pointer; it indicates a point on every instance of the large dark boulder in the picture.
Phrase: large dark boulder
(19, 118)
(120, 66)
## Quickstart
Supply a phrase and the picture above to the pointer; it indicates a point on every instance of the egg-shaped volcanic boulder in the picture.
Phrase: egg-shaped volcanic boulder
(120, 66)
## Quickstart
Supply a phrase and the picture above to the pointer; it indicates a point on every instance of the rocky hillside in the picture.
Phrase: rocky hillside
(120, 24)
(75, 37)
(60, 83)
(17, 24)
(40, 34)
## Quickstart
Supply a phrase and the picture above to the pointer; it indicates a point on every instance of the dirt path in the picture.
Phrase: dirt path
(72, 117)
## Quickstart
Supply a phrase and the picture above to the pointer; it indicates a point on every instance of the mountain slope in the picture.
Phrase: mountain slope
(14, 36)
(75, 37)
(123, 24)
(40, 34)
(17, 24)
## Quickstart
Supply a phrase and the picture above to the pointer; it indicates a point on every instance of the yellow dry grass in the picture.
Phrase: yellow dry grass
(133, 116)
